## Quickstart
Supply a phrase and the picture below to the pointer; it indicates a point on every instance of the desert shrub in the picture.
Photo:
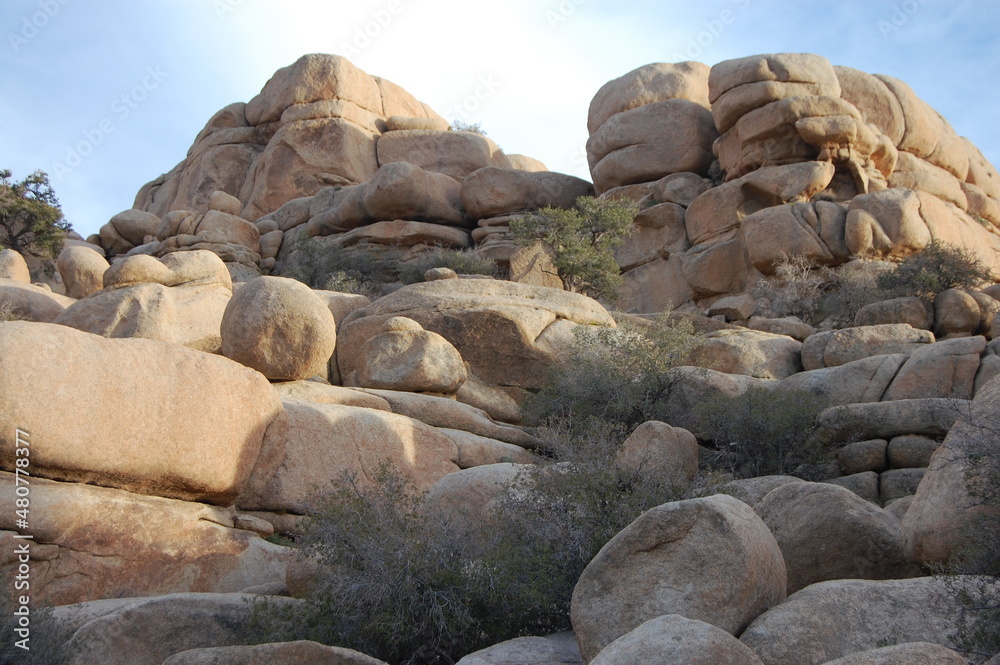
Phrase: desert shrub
(623, 375)
(762, 432)
(408, 585)
(934, 269)
(464, 262)
(347, 270)
(31, 221)
(471, 128)
(583, 241)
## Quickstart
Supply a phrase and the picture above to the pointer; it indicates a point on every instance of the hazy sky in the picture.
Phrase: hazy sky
(106, 95)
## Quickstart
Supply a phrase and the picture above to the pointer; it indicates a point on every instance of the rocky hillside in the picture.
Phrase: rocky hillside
(172, 419)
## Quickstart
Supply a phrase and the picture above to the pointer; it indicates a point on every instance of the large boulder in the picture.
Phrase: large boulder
(709, 559)
(806, 517)
(279, 327)
(856, 382)
(493, 192)
(557, 649)
(128, 229)
(508, 333)
(82, 271)
(14, 267)
(943, 505)
(167, 421)
(147, 631)
(885, 420)
(944, 369)
(180, 298)
(652, 141)
(97, 542)
(676, 639)
(904, 654)
(833, 619)
(658, 449)
(398, 191)
(299, 653)
(456, 154)
(406, 357)
(26, 302)
(838, 347)
(751, 352)
(315, 445)
(649, 84)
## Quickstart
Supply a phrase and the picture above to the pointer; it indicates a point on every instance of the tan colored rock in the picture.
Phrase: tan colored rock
(708, 559)
(955, 313)
(27, 302)
(494, 192)
(859, 381)
(476, 451)
(842, 346)
(314, 445)
(146, 631)
(647, 85)
(508, 333)
(724, 208)
(525, 163)
(941, 508)
(834, 619)
(898, 483)
(943, 369)
(806, 517)
(13, 267)
(675, 639)
(877, 104)
(97, 542)
(397, 191)
(913, 311)
(82, 271)
(279, 327)
(658, 232)
(557, 649)
(409, 360)
(751, 352)
(194, 268)
(128, 229)
(300, 158)
(737, 87)
(535, 265)
(734, 308)
(886, 223)
(471, 497)
(752, 491)
(903, 654)
(656, 286)
(404, 233)
(862, 456)
(811, 230)
(301, 653)
(223, 202)
(911, 452)
(790, 326)
(456, 154)
(320, 393)
(652, 141)
(447, 413)
(885, 420)
(658, 449)
(163, 423)
(716, 268)
(919, 175)
(398, 123)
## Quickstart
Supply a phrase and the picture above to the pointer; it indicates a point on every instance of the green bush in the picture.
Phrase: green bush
(936, 268)
(464, 262)
(347, 270)
(583, 241)
(623, 375)
(408, 585)
(31, 221)
(763, 432)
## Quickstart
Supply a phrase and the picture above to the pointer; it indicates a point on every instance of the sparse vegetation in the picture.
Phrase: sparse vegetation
(583, 241)
(31, 221)
(623, 375)
(464, 262)
(471, 128)
(763, 432)
(347, 270)
(814, 293)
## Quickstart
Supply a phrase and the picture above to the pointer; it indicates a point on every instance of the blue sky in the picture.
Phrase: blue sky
(132, 83)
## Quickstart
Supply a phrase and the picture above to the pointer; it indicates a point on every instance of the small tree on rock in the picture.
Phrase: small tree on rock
(583, 241)
(31, 221)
